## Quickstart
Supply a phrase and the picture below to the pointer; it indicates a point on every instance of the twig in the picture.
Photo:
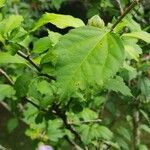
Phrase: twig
(2, 72)
(136, 130)
(28, 58)
(119, 6)
(5, 105)
(3, 148)
(132, 5)
(85, 122)
(63, 116)
(75, 145)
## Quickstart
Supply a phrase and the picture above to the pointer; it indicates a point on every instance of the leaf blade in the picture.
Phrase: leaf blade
(59, 20)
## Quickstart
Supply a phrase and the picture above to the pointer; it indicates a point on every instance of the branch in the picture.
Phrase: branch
(68, 126)
(119, 6)
(28, 58)
(3, 148)
(85, 122)
(136, 124)
(55, 110)
(132, 5)
(2, 72)
(73, 143)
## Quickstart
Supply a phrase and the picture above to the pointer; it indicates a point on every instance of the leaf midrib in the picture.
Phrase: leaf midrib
(82, 62)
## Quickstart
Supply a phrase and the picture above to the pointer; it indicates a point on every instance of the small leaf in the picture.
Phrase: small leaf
(6, 91)
(6, 58)
(105, 133)
(145, 115)
(132, 49)
(59, 20)
(133, 54)
(54, 130)
(145, 127)
(9, 24)
(96, 21)
(144, 85)
(2, 2)
(21, 85)
(56, 3)
(41, 45)
(129, 22)
(117, 84)
(88, 114)
(54, 37)
(124, 132)
(44, 87)
(142, 35)
(92, 132)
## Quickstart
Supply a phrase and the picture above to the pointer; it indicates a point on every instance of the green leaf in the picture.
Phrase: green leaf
(132, 52)
(87, 56)
(54, 130)
(132, 49)
(44, 87)
(59, 20)
(54, 37)
(117, 84)
(87, 114)
(105, 133)
(41, 45)
(9, 24)
(145, 115)
(144, 85)
(129, 22)
(96, 21)
(12, 124)
(2, 2)
(122, 143)
(143, 147)
(6, 58)
(142, 35)
(145, 127)
(6, 91)
(57, 3)
(40, 92)
(94, 132)
(21, 85)
(124, 132)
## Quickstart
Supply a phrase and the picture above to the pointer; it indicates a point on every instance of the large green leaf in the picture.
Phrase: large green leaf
(87, 56)
(59, 20)
(7, 58)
